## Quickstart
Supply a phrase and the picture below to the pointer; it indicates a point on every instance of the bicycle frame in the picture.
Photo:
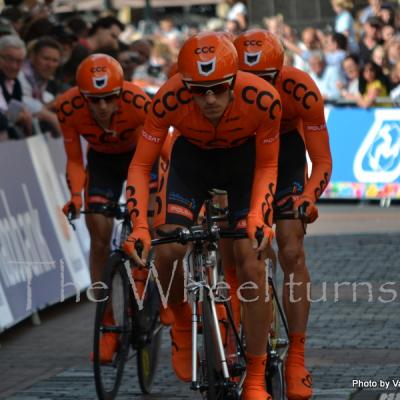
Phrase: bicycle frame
(204, 265)
(203, 280)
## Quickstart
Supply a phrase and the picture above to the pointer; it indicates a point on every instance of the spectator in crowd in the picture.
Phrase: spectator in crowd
(379, 57)
(388, 33)
(395, 83)
(6, 27)
(325, 76)
(192, 28)
(388, 14)
(78, 26)
(15, 16)
(349, 88)
(393, 51)
(38, 72)
(344, 22)
(232, 26)
(370, 39)
(38, 82)
(168, 30)
(275, 25)
(104, 33)
(12, 56)
(238, 12)
(372, 10)
(372, 85)
(310, 43)
(132, 56)
(335, 49)
(37, 28)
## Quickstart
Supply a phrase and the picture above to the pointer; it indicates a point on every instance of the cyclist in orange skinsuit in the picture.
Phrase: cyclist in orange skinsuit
(108, 113)
(229, 128)
(303, 128)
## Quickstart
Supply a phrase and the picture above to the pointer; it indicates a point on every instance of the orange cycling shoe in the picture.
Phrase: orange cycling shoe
(298, 379)
(254, 384)
(182, 352)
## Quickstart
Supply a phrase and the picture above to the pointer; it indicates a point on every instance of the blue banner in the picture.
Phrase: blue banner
(365, 147)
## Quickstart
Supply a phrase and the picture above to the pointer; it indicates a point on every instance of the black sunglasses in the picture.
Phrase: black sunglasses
(203, 90)
(108, 99)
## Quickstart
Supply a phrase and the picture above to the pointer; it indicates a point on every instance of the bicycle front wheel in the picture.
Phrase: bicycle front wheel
(213, 372)
(275, 378)
(148, 332)
(112, 329)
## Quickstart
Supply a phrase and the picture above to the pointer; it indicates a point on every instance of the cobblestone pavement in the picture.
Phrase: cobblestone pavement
(354, 332)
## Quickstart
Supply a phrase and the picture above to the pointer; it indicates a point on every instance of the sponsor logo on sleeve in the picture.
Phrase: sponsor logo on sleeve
(150, 138)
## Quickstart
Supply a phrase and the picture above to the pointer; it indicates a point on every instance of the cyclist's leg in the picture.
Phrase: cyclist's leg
(100, 230)
(105, 176)
(290, 238)
(251, 272)
(256, 317)
(179, 197)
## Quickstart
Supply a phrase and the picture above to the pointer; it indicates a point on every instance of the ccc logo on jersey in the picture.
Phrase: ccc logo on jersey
(264, 100)
(300, 92)
(138, 100)
(170, 101)
(67, 107)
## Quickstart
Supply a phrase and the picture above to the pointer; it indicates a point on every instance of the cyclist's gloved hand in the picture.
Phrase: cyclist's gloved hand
(142, 236)
(72, 208)
(259, 233)
(307, 206)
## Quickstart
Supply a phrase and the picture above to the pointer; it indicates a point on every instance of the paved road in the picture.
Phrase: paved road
(353, 335)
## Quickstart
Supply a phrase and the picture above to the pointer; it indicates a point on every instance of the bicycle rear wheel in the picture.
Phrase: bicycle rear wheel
(148, 334)
(114, 299)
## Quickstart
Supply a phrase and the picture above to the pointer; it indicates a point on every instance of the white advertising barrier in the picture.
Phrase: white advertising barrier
(41, 262)
(55, 199)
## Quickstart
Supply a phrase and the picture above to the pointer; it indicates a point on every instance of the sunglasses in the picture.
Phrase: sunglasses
(204, 90)
(108, 99)
(269, 76)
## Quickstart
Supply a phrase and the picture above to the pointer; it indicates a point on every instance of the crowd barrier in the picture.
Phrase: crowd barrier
(42, 261)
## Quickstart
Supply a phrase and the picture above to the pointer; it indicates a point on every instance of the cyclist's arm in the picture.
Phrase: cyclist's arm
(147, 151)
(266, 167)
(76, 174)
(317, 144)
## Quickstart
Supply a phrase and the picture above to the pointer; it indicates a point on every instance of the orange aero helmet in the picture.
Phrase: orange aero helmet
(99, 74)
(207, 56)
(258, 51)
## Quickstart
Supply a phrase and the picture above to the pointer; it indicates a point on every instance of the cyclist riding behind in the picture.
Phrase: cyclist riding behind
(229, 128)
(108, 112)
(303, 128)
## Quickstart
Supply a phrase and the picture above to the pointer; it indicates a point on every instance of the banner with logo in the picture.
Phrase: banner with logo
(365, 147)
(38, 266)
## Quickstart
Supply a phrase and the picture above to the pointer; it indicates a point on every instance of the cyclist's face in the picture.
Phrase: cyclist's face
(212, 100)
(102, 108)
